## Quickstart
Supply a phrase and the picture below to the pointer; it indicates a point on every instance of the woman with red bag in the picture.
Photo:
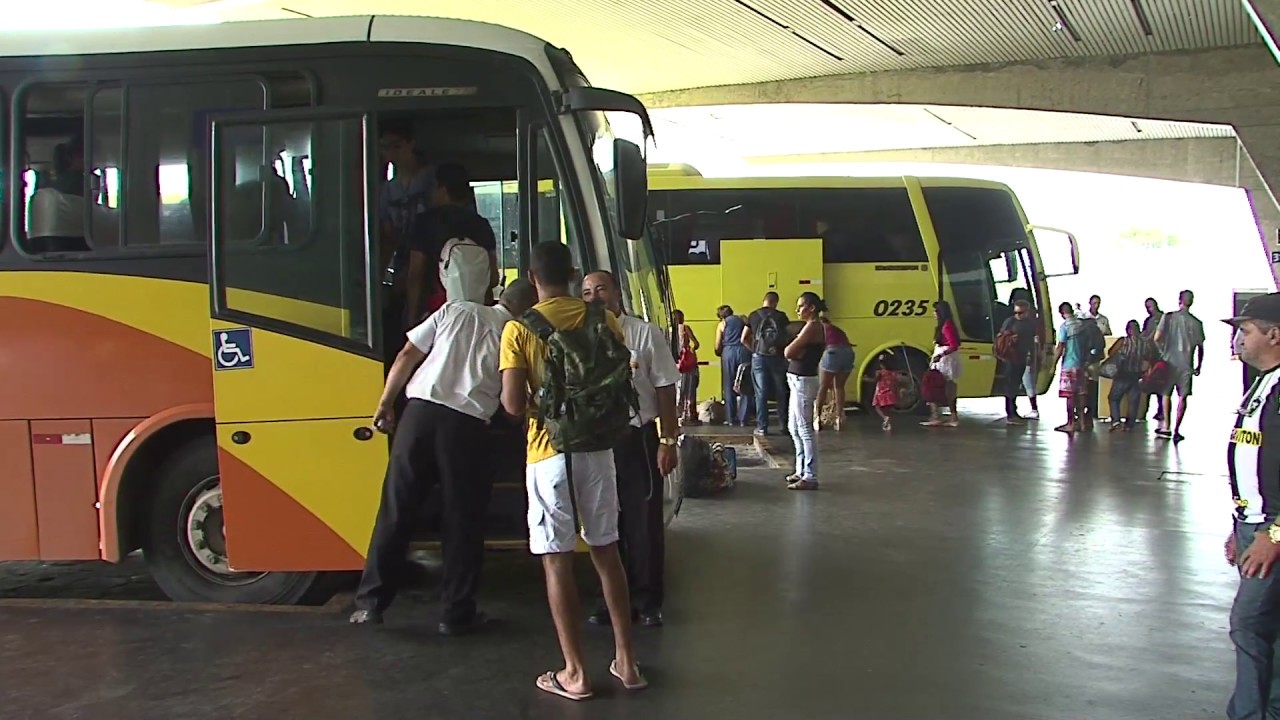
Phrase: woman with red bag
(945, 363)
(687, 364)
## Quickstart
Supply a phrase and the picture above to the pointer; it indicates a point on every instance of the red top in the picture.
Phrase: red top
(950, 336)
(833, 335)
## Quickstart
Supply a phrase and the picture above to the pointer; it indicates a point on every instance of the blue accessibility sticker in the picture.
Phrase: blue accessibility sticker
(233, 349)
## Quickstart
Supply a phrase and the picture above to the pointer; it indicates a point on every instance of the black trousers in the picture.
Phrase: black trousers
(432, 444)
(640, 491)
(1013, 386)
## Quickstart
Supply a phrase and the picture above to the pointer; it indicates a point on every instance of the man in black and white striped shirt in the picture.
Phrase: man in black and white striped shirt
(1253, 461)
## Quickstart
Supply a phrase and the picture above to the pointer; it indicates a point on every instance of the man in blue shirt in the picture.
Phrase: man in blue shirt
(402, 199)
(1072, 384)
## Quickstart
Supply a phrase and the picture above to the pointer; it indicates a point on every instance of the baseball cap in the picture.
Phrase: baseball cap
(1263, 307)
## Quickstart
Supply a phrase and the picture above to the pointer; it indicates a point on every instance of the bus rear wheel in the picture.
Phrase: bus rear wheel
(910, 364)
(185, 538)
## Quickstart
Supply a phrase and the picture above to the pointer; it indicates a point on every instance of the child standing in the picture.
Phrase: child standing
(886, 397)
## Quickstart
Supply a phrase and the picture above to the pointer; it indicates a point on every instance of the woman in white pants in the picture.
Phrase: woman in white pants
(804, 353)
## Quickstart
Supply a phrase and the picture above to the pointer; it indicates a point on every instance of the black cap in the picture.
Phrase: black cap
(1263, 307)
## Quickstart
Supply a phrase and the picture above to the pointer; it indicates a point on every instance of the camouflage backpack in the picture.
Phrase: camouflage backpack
(585, 397)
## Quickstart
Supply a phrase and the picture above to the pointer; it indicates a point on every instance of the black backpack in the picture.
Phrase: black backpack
(1094, 341)
(768, 339)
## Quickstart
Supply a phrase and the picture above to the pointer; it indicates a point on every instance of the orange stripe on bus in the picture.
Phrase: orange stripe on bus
(88, 366)
(268, 530)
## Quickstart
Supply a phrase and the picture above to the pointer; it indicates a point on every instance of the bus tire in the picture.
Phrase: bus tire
(184, 543)
(911, 364)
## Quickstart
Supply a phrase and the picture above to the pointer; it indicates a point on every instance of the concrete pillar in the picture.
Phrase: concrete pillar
(1259, 175)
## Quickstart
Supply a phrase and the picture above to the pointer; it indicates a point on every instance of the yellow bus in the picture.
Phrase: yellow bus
(880, 251)
(190, 275)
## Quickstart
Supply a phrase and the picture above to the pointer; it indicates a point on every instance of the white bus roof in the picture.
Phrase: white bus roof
(271, 33)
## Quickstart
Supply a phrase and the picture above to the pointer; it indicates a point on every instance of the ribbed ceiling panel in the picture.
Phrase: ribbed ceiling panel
(654, 45)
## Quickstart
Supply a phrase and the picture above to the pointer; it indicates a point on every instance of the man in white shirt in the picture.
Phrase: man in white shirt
(645, 457)
(1095, 304)
(440, 438)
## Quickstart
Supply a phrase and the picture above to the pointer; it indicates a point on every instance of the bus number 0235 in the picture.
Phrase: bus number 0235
(900, 308)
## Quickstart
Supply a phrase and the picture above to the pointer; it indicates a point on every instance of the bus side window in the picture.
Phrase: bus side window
(134, 164)
(167, 141)
(711, 218)
(66, 167)
(861, 225)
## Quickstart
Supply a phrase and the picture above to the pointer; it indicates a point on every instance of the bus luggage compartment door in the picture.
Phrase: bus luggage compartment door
(750, 268)
(297, 366)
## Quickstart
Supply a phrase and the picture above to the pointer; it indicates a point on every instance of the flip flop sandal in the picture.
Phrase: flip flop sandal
(613, 670)
(548, 682)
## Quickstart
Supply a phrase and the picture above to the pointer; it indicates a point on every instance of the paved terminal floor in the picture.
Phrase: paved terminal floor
(984, 573)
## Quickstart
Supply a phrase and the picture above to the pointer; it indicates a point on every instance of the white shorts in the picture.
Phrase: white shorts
(595, 484)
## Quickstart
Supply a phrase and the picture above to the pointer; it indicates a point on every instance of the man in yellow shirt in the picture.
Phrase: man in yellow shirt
(552, 509)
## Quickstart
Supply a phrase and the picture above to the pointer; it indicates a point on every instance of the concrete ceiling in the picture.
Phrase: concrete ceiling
(697, 134)
(643, 46)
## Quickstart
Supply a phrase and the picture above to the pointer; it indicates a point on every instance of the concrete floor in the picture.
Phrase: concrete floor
(984, 572)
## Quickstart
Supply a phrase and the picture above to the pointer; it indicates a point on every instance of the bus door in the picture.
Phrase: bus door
(1013, 274)
(1052, 253)
(296, 373)
(750, 268)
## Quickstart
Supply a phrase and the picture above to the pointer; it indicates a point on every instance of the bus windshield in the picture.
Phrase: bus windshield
(988, 259)
(638, 274)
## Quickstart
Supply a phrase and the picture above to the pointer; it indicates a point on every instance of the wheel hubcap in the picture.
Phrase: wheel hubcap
(908, 392)
(204, 535)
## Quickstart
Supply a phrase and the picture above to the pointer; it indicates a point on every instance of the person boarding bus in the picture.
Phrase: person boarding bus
(440, 439)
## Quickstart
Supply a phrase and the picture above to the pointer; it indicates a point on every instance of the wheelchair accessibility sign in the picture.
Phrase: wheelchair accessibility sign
(233, 349)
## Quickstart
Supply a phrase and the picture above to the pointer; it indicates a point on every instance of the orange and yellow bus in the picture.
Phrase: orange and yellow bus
(190, 282)
(881, 251)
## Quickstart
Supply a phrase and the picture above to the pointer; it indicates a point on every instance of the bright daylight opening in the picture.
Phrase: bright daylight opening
(98, 14)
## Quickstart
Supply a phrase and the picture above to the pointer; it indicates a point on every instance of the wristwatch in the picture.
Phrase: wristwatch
(668, 441)
(1273, 533)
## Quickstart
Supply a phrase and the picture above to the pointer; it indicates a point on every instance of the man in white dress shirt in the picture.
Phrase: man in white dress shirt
(645, 457)
(1095, 305)
(440, 438)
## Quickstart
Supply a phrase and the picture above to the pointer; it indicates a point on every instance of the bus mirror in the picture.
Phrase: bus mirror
(632, 187)
(591, 98)
(1059, 251)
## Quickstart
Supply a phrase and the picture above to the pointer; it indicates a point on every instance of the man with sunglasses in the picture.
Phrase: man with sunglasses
(1253, 547)
(1024, 327)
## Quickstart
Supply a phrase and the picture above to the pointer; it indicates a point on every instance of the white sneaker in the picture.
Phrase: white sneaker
(1033, 415)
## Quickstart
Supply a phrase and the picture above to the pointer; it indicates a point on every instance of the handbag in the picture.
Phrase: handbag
(933, 386)
(1109, 369)
(1156, 377)
(687, 362)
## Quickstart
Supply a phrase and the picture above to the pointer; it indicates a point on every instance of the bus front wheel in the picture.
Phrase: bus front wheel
(185, 539)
